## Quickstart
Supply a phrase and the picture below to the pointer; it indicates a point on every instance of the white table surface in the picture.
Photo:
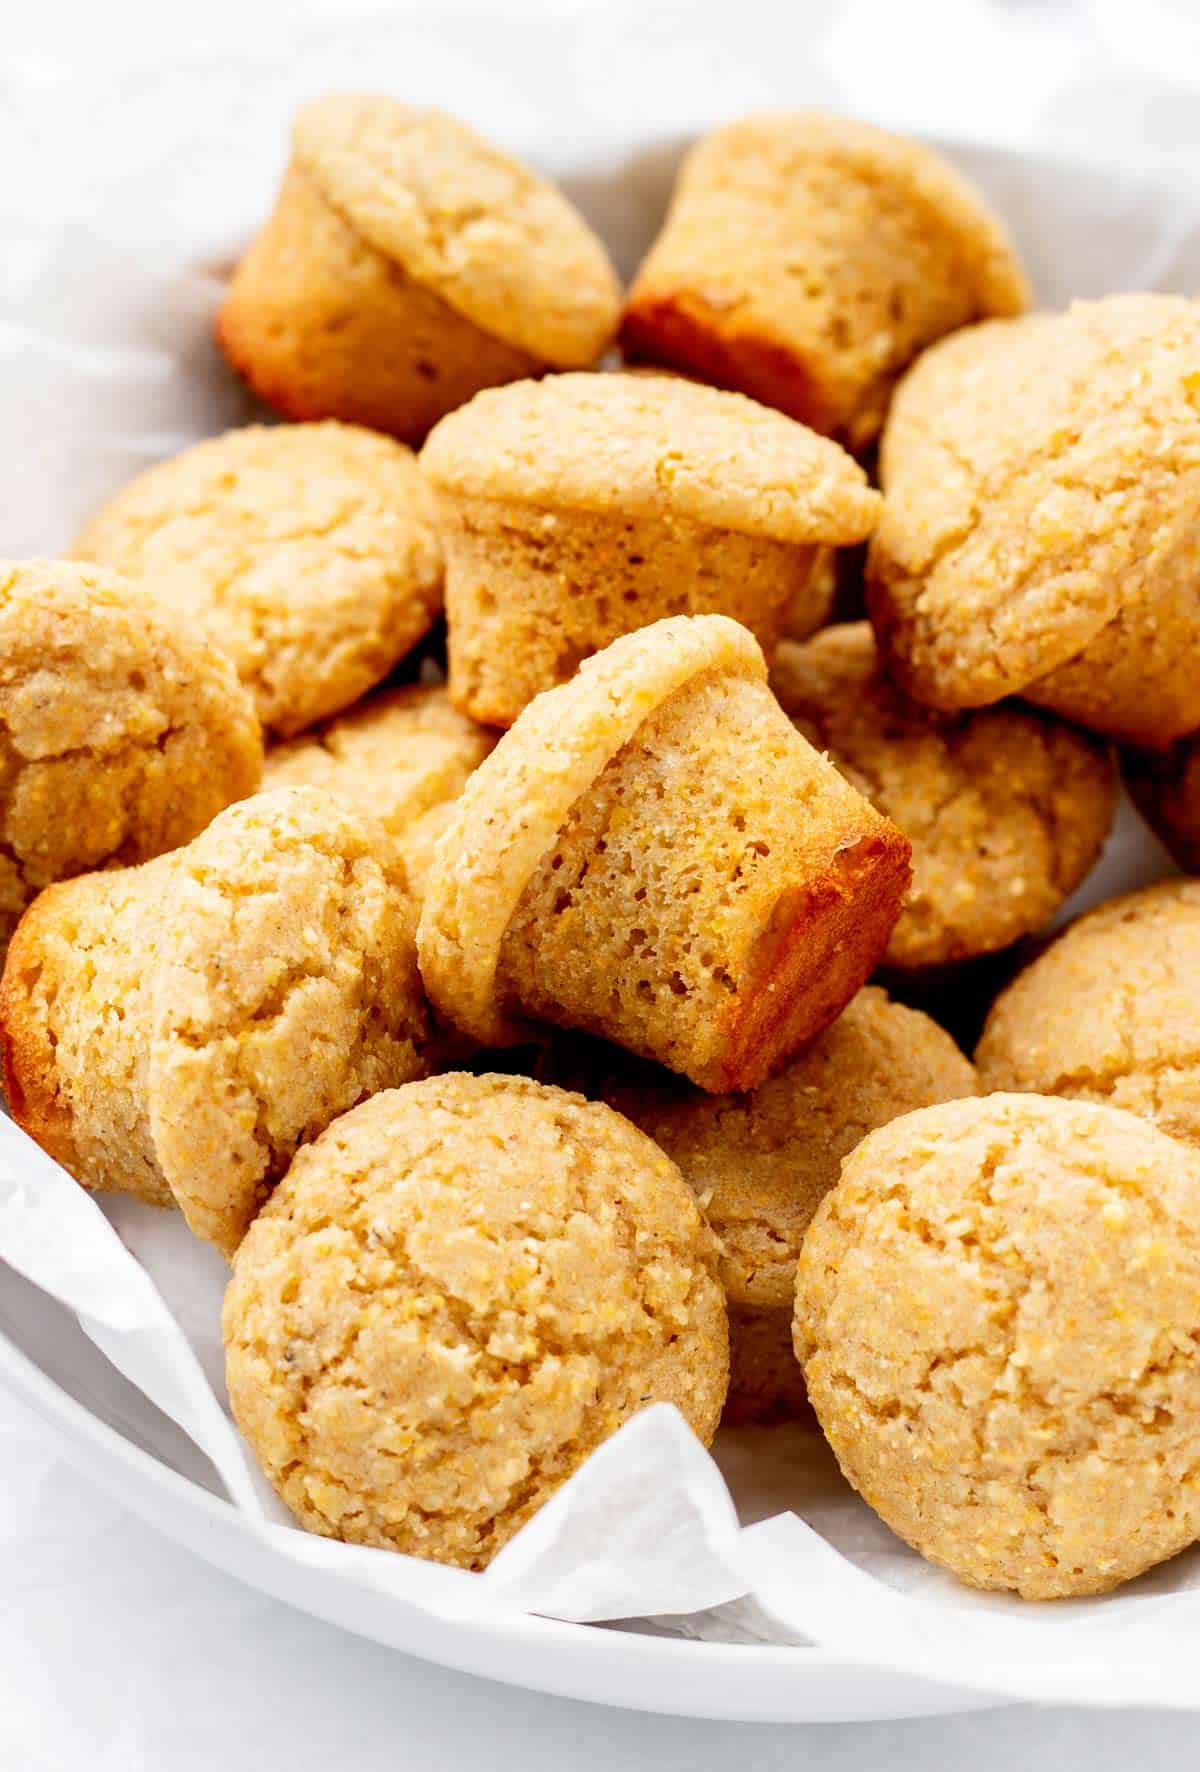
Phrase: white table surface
(120, 1653)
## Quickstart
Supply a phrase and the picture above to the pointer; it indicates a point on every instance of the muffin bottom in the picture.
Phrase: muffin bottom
(321, 325)
(532, 592)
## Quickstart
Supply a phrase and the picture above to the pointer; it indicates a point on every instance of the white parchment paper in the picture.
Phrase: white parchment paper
(108, 364)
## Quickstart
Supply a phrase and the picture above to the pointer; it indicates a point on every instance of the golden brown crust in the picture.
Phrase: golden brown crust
(996, 1313)
(323, 326)
(716, 896)
(121, 733)
(1042, 504)
(458, 1292)
(807, 259)
(500, 245)
(1108, 1012)
(1007, 808)
(307, 551)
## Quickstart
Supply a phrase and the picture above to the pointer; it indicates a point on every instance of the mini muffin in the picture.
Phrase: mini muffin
(402, 757)
(807, 260)
(814, 604)
(760, 1165)
(996, 1309)
(176, 1030)
(576, 509)
(408, 264)
(653, 854)
(1165, 787)
(308, 552)
(455, 1295)
(1108, 1012)
(1041, 525)
(124, 733)
(1007, 808)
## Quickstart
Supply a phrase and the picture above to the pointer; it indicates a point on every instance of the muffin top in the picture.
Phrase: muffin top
(514, 805)
(308, 550)
(124, 732)
(396, 755)
(760, 1164)
(1165, 787)
(456, 1293)
(769, 153)
(996, 1310)
(287, 992)
(1108, 1012)
(1040, 475)
(1007, 808)
(496, 242)
(639, 445)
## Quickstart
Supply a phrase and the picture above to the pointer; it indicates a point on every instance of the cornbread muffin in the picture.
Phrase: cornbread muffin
(454, 1296)
(578, 508)
(308, 552)
(807, 260)
(123, 734)
(402, 757)
(996, 1310)
(1041, 525)
(1007, 808)
(1108, 1012)
(654, 855)
(1165, 788)
(760, 1164)
(176, 1030)
(408, 264)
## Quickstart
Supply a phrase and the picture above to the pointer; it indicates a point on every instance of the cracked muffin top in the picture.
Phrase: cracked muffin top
(1041, 478)
(1108, 1012)
(1007, 808)
(496, 242)
(307, 550)
(636, 445)
(122, 732)
(996, 1311)
(457, 1293)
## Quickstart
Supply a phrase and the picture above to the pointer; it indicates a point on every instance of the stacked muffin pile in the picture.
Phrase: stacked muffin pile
(648, 838)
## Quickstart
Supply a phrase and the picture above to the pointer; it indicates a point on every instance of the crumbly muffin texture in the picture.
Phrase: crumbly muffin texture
(1108, 1012)
(121, 733)
(807, 259)
(1007, 808)
(458, 1292)
(996, 1313)
(308, 552)
(401, 757)
(178, 1029)
(1040, 522)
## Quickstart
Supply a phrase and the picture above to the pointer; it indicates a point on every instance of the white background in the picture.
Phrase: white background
(119, 1653)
